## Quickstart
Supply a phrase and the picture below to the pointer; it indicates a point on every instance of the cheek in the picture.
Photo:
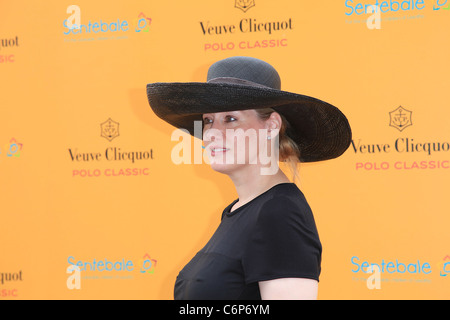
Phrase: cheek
(242, 136)
(246, 142)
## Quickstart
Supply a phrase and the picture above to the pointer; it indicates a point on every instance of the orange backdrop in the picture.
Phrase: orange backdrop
(86, 174)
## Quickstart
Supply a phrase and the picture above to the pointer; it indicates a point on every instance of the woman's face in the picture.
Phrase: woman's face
(235, 139)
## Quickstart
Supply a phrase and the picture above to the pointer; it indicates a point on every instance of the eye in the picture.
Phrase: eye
(206, 120)
(228, 118)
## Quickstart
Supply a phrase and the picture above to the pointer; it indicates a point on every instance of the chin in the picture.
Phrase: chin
(226, 168)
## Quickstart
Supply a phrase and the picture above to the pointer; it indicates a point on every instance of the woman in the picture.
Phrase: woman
(267, 245)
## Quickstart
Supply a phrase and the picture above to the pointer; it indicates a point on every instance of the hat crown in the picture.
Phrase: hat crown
(246, 68)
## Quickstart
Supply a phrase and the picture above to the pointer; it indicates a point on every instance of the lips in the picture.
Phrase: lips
(217, 150)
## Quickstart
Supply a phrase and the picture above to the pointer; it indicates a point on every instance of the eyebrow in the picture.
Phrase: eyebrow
(234, 112)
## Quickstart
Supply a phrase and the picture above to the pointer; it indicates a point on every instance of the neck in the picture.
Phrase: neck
(249, 183)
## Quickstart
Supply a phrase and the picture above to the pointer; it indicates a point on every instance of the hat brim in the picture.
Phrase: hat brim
(321, 130)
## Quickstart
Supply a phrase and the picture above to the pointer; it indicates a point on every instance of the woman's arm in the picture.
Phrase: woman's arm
(289, 289)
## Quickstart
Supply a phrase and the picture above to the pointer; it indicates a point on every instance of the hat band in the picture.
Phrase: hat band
(231, 80)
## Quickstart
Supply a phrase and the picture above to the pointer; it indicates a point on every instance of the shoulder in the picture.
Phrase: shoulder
(290, 205)
(282, 218)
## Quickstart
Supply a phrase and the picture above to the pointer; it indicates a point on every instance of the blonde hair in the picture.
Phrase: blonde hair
(288, 151)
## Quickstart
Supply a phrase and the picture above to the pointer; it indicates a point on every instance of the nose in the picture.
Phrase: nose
(215, 132)
(212, 134)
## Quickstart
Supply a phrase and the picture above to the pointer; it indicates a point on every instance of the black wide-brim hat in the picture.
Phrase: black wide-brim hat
(321, 131)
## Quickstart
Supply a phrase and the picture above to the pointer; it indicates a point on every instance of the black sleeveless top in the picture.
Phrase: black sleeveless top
(272, 236)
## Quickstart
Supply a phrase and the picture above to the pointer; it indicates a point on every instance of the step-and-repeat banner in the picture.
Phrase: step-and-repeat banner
(93, 205)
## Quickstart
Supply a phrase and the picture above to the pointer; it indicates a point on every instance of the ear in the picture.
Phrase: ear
(274, 121)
